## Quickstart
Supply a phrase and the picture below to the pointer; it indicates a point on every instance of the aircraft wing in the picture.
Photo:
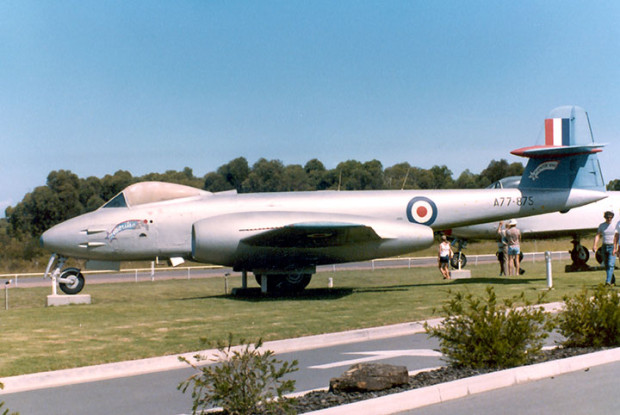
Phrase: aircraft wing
(314, 235)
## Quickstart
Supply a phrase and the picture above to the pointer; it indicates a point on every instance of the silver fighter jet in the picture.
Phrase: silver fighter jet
(282, 237)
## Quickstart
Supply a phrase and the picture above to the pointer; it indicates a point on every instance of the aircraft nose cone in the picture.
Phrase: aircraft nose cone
(51, 239)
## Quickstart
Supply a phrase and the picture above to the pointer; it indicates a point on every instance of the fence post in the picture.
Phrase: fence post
(6, 294)
(549, 274)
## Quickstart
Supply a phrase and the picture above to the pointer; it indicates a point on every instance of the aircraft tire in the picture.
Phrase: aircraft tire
(285, 283)
(75, 281)
(599, 255)
(580, 255)
(456, 258)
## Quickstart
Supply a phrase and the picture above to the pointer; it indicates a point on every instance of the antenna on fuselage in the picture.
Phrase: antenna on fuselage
(405, 180)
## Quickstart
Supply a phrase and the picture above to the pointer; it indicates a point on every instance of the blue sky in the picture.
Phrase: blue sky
(147, 86)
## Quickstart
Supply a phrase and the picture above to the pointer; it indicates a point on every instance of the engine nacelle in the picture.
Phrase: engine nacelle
(287, 240)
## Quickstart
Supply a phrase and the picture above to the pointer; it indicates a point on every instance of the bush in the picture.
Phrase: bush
(591, 320)
(482, 334)
(245, 381)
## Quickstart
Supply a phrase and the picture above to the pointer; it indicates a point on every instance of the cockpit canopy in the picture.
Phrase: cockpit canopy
(151, 192)
(511, 182)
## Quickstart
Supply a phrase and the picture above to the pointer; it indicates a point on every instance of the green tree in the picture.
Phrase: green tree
(354, 175)
(317, 175)
(613, 185)
(215, 182)
(266, 176)
(498, 170)
(467, 180)
(421, 178)
(90, 194)
(38, 211)
(65, 186)
(398, 175)
(294, 178)
(373, 175)
(442, 177)
(235, 172)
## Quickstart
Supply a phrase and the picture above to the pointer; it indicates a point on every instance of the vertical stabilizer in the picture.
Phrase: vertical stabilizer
(565, 155)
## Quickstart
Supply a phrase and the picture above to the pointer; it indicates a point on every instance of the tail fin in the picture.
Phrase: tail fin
(567, 159)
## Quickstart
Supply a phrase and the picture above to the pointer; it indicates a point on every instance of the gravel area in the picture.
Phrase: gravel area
(318, 400)
(313, 401)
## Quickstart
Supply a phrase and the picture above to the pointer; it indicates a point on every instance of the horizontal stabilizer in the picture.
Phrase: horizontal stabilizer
(557, 151)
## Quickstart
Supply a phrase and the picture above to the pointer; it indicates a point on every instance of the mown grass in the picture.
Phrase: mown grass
(145, 319)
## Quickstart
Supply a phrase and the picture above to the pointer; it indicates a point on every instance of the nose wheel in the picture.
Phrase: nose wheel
(70, 280)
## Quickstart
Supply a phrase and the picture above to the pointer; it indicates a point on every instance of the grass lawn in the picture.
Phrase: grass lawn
(137, 320)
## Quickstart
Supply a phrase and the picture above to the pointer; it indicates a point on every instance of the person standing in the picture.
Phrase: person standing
(502, 249)
(607, 233)
(513, 240)
(443, 257)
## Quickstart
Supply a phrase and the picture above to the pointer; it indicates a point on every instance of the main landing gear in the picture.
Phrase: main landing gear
(580, 255)
(276, 282)
(292, 282)
(70, 280)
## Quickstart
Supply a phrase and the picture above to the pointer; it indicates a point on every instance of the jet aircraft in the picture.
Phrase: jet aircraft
(282, 237)
(576, 223)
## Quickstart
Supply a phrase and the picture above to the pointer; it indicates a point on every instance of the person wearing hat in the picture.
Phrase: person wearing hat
(607, 232)
(443, 257)
(513, 239)
(502, 248)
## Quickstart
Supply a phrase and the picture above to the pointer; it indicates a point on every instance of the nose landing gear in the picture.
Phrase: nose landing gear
(70, 280)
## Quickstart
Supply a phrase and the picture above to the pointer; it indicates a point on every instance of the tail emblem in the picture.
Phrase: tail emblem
(547, 165)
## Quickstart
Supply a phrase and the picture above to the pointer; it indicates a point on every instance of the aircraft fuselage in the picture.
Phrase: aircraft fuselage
(212, 227)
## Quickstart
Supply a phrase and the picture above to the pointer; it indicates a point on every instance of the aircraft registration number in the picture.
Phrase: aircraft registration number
(519, 201)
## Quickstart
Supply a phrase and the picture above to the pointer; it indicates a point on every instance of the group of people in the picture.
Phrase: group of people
(509, 248)
(608, 233)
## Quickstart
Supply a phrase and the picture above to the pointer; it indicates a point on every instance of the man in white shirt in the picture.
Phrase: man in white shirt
(609, 234)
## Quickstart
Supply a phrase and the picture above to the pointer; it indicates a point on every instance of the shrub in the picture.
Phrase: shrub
(484, 334)
(6, 411)
(591, 320)
(245, 381)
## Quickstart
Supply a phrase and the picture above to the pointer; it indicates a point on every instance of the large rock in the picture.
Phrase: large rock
(370, 377)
